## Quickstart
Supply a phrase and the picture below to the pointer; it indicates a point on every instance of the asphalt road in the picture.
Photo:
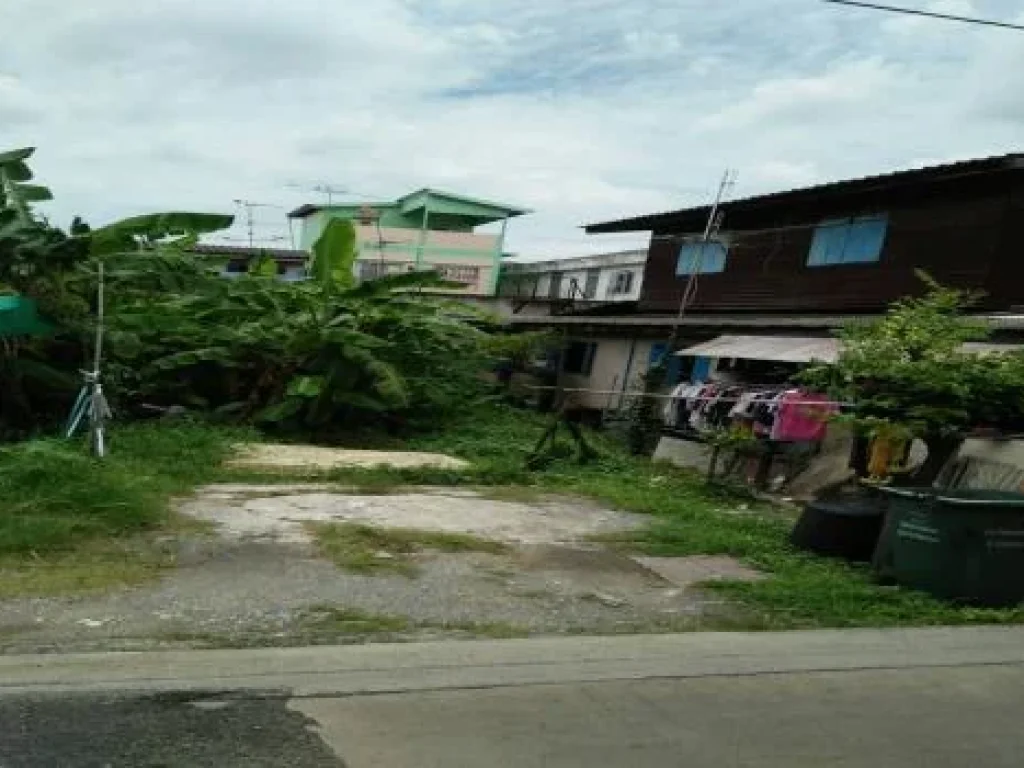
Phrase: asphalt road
(935, 698)
(165, 729)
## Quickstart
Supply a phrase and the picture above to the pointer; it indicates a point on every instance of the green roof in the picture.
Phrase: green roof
(470, 208)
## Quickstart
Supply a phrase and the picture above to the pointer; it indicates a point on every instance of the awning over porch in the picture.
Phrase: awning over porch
(782, 349)
(800, 349)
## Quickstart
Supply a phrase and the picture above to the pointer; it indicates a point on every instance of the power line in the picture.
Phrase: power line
(928, 14)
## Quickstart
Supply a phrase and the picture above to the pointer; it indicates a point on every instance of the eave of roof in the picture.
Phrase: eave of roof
(836, 189)
(509, 210)
(245, 252)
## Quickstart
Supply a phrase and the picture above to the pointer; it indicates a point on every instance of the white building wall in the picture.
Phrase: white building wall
(618, 367)
(609, 266)
(607, 281)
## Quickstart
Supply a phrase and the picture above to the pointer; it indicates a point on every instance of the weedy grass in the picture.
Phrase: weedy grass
(367, 549)
(54, 499)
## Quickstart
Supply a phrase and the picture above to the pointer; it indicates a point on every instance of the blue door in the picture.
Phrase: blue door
(701, 369)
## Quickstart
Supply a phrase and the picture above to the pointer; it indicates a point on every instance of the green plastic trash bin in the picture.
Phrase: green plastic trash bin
(964, 545)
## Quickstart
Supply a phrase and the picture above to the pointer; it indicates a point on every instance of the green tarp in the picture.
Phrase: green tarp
(18, 317)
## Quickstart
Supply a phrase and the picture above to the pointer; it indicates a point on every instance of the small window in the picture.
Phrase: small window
(458, 273)
(855, 240)
(579, 357)
(622, 283)
(701, 258)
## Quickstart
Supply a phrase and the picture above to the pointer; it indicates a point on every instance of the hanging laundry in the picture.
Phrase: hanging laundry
(670, 413)
(802, 417)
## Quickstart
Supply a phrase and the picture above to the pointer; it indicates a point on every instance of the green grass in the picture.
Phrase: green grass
(327, 620)
(365, 549)
(96, 565)
(349, 621)
(61, 510)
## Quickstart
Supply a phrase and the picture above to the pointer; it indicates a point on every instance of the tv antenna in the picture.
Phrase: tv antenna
(330, 191)
(250, 206)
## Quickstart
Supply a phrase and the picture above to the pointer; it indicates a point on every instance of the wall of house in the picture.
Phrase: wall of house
(618, 366)
(961, 241)
(390, 216)
(521, 283)
(464, 257)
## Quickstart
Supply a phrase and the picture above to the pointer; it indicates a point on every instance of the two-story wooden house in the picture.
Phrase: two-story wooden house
(784, 270)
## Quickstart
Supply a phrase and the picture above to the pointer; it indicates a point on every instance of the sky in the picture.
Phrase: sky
(581, 110)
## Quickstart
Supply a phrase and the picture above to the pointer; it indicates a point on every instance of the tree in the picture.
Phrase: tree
(56, 273)
(316, 355)
(38, 272)
(910, 374)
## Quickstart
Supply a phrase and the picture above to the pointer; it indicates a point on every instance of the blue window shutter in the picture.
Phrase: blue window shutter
(701, 258)
(865, 240)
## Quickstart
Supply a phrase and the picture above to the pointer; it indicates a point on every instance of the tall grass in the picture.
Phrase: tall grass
(53, 495)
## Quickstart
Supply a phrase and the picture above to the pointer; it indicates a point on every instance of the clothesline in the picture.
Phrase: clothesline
(705, 398)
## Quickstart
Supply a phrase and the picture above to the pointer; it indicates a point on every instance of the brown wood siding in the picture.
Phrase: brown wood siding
(1005, 286)
(964, 243)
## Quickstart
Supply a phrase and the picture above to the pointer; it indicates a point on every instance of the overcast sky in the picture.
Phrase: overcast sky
(582, 110)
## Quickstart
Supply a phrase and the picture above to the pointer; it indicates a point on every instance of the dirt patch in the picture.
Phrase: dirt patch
(282, 517)
(275, 456)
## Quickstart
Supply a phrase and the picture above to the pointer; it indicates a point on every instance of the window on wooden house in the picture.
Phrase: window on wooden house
(851, 240)
(701, 258)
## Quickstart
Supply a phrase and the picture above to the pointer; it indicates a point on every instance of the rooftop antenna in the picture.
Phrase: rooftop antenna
(330, 191)
(250, 206)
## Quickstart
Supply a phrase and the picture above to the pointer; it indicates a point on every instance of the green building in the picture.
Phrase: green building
(427, 229)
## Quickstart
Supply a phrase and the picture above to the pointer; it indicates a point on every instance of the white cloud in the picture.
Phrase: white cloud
(581, 110)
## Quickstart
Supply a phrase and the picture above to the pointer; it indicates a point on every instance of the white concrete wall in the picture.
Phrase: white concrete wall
(609, 266)
(607, 280)
(612, 373)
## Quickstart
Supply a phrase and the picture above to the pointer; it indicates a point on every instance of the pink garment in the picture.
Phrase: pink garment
(795, 421)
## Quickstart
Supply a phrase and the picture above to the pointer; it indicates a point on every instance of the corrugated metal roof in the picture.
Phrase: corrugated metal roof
(245, 252)
(800, 349)
(934, 173)
(782, 349)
